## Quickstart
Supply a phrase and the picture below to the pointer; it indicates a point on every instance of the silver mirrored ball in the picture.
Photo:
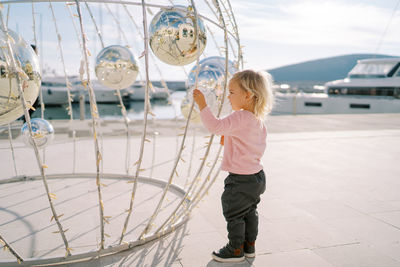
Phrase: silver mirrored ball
(185, 109)
(43, 133)
(116, 67)
(211, 81)
(29, 69)
(173, 35)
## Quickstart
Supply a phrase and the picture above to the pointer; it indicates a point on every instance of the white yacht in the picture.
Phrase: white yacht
(372, 86)
(104, 94)
(54, 89)
(138, 89)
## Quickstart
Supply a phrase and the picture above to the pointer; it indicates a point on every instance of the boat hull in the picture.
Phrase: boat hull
(329, 104)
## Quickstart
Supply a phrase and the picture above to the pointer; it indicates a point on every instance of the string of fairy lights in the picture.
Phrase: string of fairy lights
(177, 42)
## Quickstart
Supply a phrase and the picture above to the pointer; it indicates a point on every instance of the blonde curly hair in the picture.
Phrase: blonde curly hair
(259, 84)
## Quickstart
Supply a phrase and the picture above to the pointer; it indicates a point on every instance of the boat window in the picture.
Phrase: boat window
(371, 91)
(365, 106)
(371, 70)
(313, 104)
(53, 84)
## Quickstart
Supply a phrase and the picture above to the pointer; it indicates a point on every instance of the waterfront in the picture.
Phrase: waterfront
(162, 108)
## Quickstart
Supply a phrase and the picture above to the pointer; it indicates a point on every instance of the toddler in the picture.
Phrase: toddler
(244, 132)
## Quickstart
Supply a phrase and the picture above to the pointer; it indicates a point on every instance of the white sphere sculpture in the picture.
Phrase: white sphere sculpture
(143, 180)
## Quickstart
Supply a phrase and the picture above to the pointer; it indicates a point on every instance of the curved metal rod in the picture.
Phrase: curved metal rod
(95, 25)
(146, 111)
(153, 156)
(215, 41)
(218, 18)
(113, 2)
(128, 134)
(35, 43)
(227, 11)
(198, 195)
(186, 127)
(8, 15)
(222, 20)
(194, 204)
(195, 181)
(147, 180)
(178, 157)
(117, 91)
(42, 106)
(196, 177)
(74, 24)
(191, 156)
(7, 246)
(86, 256)
(71, 121)
(95, 116)
(68, 86)
(67, 83)
(16, 69)
(116, 20)
(164, 84)
(112, 176)
(176, 214)
(232, 19)
(236, 30)
(12, 149)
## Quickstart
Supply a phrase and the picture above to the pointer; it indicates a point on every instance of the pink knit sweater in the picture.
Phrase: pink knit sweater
(245, 140)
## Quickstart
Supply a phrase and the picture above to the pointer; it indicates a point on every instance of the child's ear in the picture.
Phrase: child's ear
(249, 95)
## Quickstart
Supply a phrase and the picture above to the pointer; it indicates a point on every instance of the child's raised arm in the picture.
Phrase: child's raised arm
(223, 126)
(199, 99)
(213, 124)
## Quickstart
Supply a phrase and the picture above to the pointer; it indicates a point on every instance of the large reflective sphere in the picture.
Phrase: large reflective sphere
(116, 67)
(173, 36)
(211, 81)
(185, 109)
(29, 68)
(43, 133)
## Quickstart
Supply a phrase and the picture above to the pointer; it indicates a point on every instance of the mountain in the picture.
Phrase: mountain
(323, 70)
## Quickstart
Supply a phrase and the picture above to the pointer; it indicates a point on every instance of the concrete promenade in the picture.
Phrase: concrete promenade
(332, 199)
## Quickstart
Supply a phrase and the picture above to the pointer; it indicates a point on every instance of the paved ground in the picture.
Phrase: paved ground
(333, 198)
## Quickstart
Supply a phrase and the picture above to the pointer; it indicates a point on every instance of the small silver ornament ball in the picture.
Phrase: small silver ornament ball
(173, 35)
(116, 67)
(43, 133)
(211, 81)
(28, 69)
(185, 109)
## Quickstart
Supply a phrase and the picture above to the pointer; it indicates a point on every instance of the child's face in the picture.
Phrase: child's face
(238, 98)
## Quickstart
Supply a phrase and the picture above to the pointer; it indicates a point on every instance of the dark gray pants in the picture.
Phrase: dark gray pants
(239, 205)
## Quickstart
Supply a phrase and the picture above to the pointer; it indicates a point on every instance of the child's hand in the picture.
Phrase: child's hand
(198, 97)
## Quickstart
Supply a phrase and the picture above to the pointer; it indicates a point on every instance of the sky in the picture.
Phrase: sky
(273, 33)
(278, 33)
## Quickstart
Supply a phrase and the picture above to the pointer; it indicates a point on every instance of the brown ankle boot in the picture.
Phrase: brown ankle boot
(249, 249)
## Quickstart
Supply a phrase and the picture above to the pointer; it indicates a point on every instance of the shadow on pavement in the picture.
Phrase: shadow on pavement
(246, 263)
(164, 252)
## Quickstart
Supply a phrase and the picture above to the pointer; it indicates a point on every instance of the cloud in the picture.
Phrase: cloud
(316, 22)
